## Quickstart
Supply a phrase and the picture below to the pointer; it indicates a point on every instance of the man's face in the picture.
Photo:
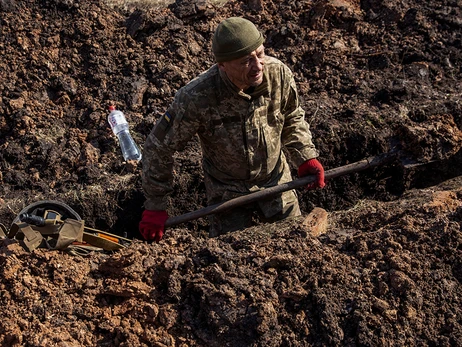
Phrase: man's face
(247, 71)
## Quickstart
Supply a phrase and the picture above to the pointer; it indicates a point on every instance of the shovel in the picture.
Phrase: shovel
(269, 192)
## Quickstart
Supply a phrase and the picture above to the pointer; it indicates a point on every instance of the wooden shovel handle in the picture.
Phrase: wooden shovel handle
(268, 192)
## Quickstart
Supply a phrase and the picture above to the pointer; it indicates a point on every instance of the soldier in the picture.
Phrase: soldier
(244, 109)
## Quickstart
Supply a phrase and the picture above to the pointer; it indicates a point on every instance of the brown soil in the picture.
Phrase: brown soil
(374, 76)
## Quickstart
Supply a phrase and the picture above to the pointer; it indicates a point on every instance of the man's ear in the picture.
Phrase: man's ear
(221, 66)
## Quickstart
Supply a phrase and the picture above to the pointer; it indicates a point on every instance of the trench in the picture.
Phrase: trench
(386, 182)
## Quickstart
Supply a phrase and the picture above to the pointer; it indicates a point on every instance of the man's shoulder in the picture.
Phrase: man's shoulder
(276, 71)
(274, 64)
(270, 60)
(203, 83)
(199, 91)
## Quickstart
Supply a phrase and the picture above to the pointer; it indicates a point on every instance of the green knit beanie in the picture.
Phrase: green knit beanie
(234, 38)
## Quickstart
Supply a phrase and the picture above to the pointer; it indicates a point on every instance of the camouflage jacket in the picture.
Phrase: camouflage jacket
(241, 134)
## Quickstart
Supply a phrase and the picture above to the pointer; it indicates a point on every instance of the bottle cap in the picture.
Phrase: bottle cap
(112, 108)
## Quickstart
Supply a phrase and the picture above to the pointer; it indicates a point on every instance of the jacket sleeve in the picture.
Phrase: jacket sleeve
(296, 134)
(171, 133)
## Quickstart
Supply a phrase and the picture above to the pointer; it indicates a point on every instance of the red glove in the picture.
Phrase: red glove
(152, 224)
(312, 167)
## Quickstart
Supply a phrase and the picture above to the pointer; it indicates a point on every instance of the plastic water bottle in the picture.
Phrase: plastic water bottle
(119, 126)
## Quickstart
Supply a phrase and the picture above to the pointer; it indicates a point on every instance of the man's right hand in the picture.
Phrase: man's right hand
(312, 167)
(152, 224)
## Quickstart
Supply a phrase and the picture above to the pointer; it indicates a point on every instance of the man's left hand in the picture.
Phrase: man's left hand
(312, 167)
(152, 224)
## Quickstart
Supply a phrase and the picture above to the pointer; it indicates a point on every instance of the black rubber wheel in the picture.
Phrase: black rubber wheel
(38, 209)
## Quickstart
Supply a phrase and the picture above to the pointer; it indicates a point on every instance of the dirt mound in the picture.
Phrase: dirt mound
(374, 76)
(386, 273)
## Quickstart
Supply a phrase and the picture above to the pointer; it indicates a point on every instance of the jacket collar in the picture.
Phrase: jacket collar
(262, 89)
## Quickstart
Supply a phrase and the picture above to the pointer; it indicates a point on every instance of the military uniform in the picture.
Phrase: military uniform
(242, 134)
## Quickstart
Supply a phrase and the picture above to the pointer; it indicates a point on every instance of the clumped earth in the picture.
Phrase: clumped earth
(374, 77)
